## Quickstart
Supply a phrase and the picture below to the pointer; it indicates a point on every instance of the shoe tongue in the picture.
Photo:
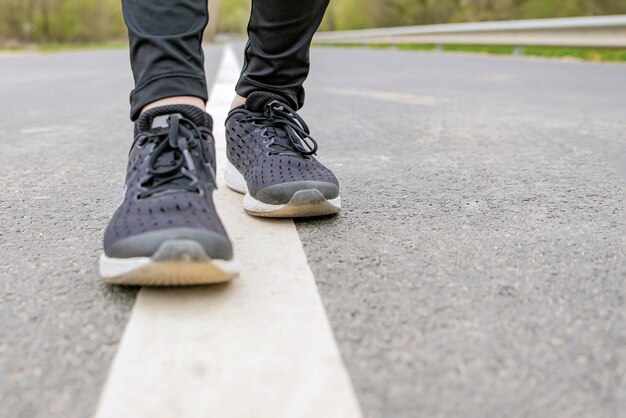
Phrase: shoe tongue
(258, 100)
(151, 119)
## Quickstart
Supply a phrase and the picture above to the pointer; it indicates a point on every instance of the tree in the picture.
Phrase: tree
(101, 20)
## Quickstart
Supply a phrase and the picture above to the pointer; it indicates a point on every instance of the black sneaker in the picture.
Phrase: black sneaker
(271, 159)
(166, 231)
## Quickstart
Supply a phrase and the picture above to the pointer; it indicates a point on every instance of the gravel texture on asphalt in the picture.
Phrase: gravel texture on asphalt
(478, 267)
(64, 139)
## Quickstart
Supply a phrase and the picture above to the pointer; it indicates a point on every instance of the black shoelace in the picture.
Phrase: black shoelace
(170, 164)
(287, 131)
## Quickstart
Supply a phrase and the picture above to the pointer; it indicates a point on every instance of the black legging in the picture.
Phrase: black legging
(167, 59)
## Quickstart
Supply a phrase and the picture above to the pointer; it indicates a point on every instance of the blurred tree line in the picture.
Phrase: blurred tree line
(361, 14)
(101, 20)
(358, 14)
(61, 20)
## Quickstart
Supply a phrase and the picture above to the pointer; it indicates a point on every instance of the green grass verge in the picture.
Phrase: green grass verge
(64, 47)
(481, 49)
(587, 54)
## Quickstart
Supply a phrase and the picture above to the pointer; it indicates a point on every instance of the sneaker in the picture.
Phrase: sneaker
(271, 160)
(166, 231)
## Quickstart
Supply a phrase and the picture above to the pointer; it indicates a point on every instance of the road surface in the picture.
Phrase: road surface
(477, 269)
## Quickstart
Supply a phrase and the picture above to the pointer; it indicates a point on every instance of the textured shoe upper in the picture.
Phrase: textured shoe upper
(270, 144)
(170, 179)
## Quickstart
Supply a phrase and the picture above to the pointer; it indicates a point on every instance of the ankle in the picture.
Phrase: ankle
(238, 101)
(177, 100)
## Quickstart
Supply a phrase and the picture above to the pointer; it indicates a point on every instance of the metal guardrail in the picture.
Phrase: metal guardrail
(596, 31)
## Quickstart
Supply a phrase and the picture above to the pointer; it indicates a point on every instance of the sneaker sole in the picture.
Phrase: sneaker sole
(176, 263)
(304, 203)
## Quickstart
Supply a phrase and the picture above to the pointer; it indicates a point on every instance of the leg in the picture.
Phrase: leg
(277, 53)
(271, 153)
(166, 52)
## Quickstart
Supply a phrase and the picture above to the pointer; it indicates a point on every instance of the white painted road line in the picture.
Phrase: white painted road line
(258, 347)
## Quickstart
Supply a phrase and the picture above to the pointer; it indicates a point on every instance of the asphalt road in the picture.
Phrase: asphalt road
(64, 139)
(478, 268)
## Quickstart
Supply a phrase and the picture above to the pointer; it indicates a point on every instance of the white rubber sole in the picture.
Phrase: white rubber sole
(304, 203)
(187, 265)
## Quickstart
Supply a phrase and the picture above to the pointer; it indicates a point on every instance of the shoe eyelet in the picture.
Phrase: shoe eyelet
(141, 141)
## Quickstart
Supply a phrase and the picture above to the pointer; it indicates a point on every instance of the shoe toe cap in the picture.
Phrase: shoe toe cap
(146, 244)
(278, 194)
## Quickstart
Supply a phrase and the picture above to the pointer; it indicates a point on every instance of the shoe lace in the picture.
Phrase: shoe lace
(286, 130)
(170, 165)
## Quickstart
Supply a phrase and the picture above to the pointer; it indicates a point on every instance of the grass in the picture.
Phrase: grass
(56, 47)
(481, 49)
(586, 54)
